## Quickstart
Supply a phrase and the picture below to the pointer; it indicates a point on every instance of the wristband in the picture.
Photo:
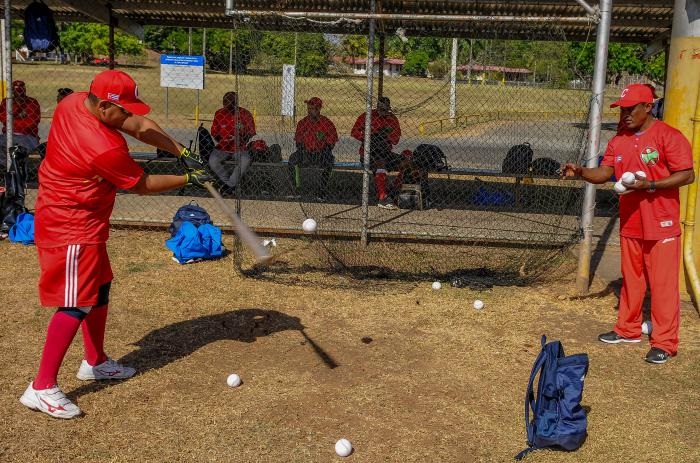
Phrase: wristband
(652, 186)
(183, 151)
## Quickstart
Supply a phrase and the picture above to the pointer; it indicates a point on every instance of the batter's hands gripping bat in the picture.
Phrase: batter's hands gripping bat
(250, 239)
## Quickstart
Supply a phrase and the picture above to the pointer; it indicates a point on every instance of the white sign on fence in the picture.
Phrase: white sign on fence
(182, 71)
(288, 91)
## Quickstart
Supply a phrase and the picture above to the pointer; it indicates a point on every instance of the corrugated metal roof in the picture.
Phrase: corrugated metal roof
(633, 21)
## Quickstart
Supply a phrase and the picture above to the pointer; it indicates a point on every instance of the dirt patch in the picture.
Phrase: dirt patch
(439, 381)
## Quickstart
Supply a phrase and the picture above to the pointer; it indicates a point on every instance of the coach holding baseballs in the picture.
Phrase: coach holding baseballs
(87, 161)
(650, 245)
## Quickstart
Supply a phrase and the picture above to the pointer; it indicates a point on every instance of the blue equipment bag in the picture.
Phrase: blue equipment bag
(40, 32)
(192, 213)
(23, 229)
(192, 243)
(558, 418)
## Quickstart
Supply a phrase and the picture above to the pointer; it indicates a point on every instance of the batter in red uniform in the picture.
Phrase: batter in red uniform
(650, 229)
(86, 162)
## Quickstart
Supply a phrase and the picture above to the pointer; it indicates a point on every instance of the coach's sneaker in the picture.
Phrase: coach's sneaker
(614, 338)
(51, 401)
(109, 369)
(656, 355)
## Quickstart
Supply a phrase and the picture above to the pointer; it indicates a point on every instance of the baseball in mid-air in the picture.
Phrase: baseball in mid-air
(478, 305)
(233, 380)
(620, 187)
(309, 225)
(437, 285)
(628, 178)
(343, 447)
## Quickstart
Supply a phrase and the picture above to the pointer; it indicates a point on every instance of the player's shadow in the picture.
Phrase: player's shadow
(172, 342)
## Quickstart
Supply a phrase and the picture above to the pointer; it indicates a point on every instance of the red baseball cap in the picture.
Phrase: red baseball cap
(633, 95)
(18, 83)
(119, 88)
(315, 101)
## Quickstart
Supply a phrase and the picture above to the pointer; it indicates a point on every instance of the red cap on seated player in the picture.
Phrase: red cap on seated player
(634, 94)
(119, 88)
(314, 101)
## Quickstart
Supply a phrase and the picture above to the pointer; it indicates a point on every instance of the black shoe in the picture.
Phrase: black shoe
(656, 355)
(614, 338)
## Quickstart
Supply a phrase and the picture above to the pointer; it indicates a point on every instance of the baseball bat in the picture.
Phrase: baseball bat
(249, 238)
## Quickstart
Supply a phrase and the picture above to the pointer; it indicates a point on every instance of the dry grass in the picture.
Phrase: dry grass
(440, 382)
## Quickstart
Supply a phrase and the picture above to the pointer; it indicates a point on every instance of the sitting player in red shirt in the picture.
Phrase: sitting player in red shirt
(385, 134)
(87, 161)
(315, 139)
(26, 114)
(650, 245)
(232, 128)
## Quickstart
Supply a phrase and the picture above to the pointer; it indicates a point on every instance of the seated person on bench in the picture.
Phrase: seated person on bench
(315, 138)
(232, 128)
(386, 133)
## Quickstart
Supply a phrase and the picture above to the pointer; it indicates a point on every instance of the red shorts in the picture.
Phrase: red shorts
(71, 275)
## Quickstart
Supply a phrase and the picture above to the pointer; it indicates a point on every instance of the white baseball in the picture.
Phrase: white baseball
(619, 187)
(309, 225)
(233, 380)
(628, 178)
(437, 285)
(641, 173)
(343, 447)
(478, 305)
(646, 327)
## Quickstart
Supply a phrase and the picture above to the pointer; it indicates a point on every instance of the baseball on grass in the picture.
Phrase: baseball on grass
(628, 178)
(437, 285)
(233, 380)
(478, 305)
(309, 225)
(343, 447)
(620, 187)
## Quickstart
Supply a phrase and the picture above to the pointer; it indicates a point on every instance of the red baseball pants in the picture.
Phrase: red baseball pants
(656, 264)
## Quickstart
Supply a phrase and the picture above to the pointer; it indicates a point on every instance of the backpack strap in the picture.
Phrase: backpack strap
(530, 398)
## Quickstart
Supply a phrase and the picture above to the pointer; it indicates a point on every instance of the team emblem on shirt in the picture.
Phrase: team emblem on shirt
(650, 156)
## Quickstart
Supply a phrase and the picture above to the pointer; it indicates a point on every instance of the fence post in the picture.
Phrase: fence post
(368, 127)
(7, 51)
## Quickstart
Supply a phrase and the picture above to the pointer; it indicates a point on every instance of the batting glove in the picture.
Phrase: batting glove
(190, 160)
(198, 177)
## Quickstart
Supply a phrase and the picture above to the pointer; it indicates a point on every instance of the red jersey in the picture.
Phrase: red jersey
(315, 135)
(658, 151)
(86, 162)
(223, 129)
(26, 116)
(389, 123)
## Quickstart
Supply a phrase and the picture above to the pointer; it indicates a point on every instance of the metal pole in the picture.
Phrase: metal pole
(7, 50)
(589, 9)
(453, 82)
(368, 128)
(230, 52)
(296, 49)
(382, 58)
(469, 67)
(595, 119)
(111, 37)
(189, 41)
(204, 43)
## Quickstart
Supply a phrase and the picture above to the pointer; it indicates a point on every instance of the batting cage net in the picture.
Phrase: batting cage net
(453, 173)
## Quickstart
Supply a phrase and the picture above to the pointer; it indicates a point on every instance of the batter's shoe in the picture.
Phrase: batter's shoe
(658, 356)
(51, 401)
(109, 369)
(614, 338)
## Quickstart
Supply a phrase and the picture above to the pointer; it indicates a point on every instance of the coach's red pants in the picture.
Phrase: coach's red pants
(655, 263)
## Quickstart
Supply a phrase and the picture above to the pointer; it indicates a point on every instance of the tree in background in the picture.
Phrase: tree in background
(87, 40)
(628, 57)
(416, 64)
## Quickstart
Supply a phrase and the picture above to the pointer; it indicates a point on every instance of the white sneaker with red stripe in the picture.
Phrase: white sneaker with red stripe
(109, 369)
(51, 401)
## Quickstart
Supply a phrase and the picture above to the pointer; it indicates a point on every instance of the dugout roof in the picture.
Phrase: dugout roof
(632, 20)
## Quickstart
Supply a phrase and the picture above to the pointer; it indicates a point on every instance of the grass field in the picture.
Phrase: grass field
(438, 382)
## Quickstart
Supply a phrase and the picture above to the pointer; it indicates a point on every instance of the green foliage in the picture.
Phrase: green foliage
(354, 45)
(312, 65)
(438, 68)
(627, 57)
(416, 63)
(87, 40)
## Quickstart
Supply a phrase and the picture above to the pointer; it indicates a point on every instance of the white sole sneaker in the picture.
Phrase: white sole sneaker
(51, 401)
(109, 369)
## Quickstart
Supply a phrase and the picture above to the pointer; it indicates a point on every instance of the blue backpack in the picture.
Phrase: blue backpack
(558, 418)
(192, 213)
(40, 33)
(192, 244)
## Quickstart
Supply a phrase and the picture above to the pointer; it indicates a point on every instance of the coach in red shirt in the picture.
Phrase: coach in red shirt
(26, 114)
(87, 161)
(386, 133)
(650, 229)
(315, 139)
(232, 128)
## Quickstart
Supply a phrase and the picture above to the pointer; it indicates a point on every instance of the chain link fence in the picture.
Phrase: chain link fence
(464, 149)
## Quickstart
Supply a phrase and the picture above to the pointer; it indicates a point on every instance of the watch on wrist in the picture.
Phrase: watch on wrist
(652, 186)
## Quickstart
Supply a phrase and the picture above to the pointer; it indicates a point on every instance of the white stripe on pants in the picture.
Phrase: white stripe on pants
(70, 297)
